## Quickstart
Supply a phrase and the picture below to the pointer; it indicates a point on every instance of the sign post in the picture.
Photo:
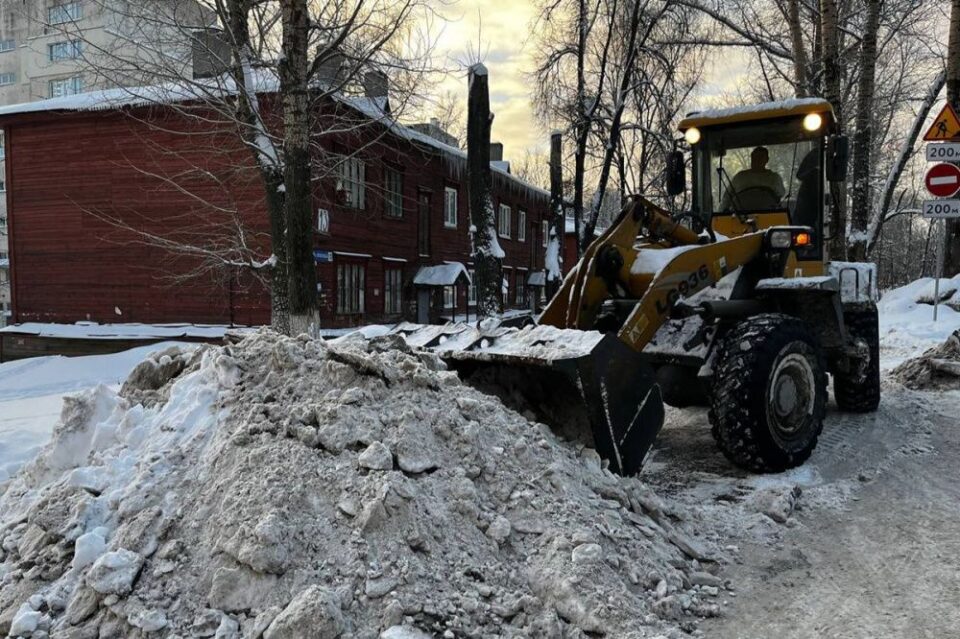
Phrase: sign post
(943, 181)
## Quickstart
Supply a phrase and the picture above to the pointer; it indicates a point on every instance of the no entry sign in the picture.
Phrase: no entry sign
(943, 180)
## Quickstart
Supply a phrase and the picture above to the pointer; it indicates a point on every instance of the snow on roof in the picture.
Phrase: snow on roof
(441, 275)
(783, 107)
(264, 81)
(93, 330)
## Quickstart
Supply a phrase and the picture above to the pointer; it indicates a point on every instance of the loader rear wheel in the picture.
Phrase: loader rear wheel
(769, 393)
(858, 390)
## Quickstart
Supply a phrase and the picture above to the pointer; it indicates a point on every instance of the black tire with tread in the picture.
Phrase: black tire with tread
(853, 394)
(738, 402)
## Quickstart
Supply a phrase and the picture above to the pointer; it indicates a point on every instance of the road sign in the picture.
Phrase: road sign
(946, 127)
(943, 180)
(943, 152)
(941, 209)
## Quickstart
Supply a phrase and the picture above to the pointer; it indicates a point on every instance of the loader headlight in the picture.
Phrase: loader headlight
(780, 239)
(692, 135)
(813, 122)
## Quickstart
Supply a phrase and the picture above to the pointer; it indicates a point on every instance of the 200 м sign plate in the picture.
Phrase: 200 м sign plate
(941, 209)
(943, 152)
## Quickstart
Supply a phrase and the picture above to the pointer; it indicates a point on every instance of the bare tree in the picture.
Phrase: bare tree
(487, 253)
(283, 80)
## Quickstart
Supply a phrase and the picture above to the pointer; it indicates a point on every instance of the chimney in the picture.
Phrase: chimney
(211, 53)
(435, 131)
(375, 84)
(330, 72)
(496, 152)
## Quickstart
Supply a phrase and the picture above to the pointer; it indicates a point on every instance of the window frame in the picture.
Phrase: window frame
(8, 79)
(73, 50)
(73, 85)
(392, 290)
(352, 283)
(504, 209)
(545, 231)
(521, 225)
(392, 193)
(64, 13)
(450, 194)
(353, 178)
(4, 48)
(472, 289)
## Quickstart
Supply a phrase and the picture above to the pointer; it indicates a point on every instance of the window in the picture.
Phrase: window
(3, 145)
(323, 221)
(67, 12)
(393, 187)
(7, 45)
(472, 291)
(350, 284)
(393, 291)
(65, 50)
(450, 207)
(3, 222)
(544, 231)
(66, 86)
(521, 226)
(503, 224)
(7, 78)
(353, 175)
(449, 296)
(3, 186)
(521, 288)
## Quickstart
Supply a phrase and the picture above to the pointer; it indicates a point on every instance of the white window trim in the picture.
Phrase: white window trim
(472, 289)
(545, 231)
(323, 221)
(521, 225)
(500, 217)
(450, 195)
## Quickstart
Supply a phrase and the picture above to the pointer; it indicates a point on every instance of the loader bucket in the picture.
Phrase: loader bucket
(584, 385)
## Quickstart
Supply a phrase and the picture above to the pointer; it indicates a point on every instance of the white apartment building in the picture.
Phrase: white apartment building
(53, 48)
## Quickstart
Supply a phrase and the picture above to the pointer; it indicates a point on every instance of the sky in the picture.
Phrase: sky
(503, 29)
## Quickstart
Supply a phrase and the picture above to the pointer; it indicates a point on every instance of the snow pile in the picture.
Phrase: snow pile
(294, 487)
(906, 320)
(937, 369)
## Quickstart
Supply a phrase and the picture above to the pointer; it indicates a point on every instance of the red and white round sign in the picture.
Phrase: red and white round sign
(943, 180)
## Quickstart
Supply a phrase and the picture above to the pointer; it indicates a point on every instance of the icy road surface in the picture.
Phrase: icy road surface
(873, 547)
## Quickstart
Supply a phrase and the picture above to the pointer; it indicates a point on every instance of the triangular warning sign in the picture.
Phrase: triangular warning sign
(945, 127)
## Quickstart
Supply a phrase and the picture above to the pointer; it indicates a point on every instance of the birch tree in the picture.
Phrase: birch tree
(283, 79)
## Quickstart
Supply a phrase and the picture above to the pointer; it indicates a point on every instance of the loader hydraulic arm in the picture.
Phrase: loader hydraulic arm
(648, 258)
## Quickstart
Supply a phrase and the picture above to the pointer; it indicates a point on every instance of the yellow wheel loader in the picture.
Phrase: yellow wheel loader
(728, 303)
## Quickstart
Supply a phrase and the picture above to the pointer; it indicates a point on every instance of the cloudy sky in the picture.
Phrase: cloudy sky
(503, 27)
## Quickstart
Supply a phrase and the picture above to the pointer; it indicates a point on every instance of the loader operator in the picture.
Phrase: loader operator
(755, 188)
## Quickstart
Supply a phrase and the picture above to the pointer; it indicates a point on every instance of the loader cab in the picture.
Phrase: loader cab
(765, 165)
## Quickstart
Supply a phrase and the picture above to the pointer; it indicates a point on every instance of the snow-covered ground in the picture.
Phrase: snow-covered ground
(31, 395)
(906, 325)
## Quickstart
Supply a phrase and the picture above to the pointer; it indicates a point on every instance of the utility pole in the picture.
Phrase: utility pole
(557, 226)
(951, 239)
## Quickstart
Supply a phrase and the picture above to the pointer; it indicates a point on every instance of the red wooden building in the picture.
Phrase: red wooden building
(101, 186)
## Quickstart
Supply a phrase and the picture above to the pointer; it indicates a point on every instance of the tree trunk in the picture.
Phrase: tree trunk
(293, 70)
(832, 92)
(802, 83)
(951, 246)
(487, 254)
(863, 137)
(553, 258)
(581, 126)
(248, 120)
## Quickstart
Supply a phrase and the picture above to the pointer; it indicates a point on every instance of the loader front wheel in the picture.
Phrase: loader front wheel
(769, 393)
